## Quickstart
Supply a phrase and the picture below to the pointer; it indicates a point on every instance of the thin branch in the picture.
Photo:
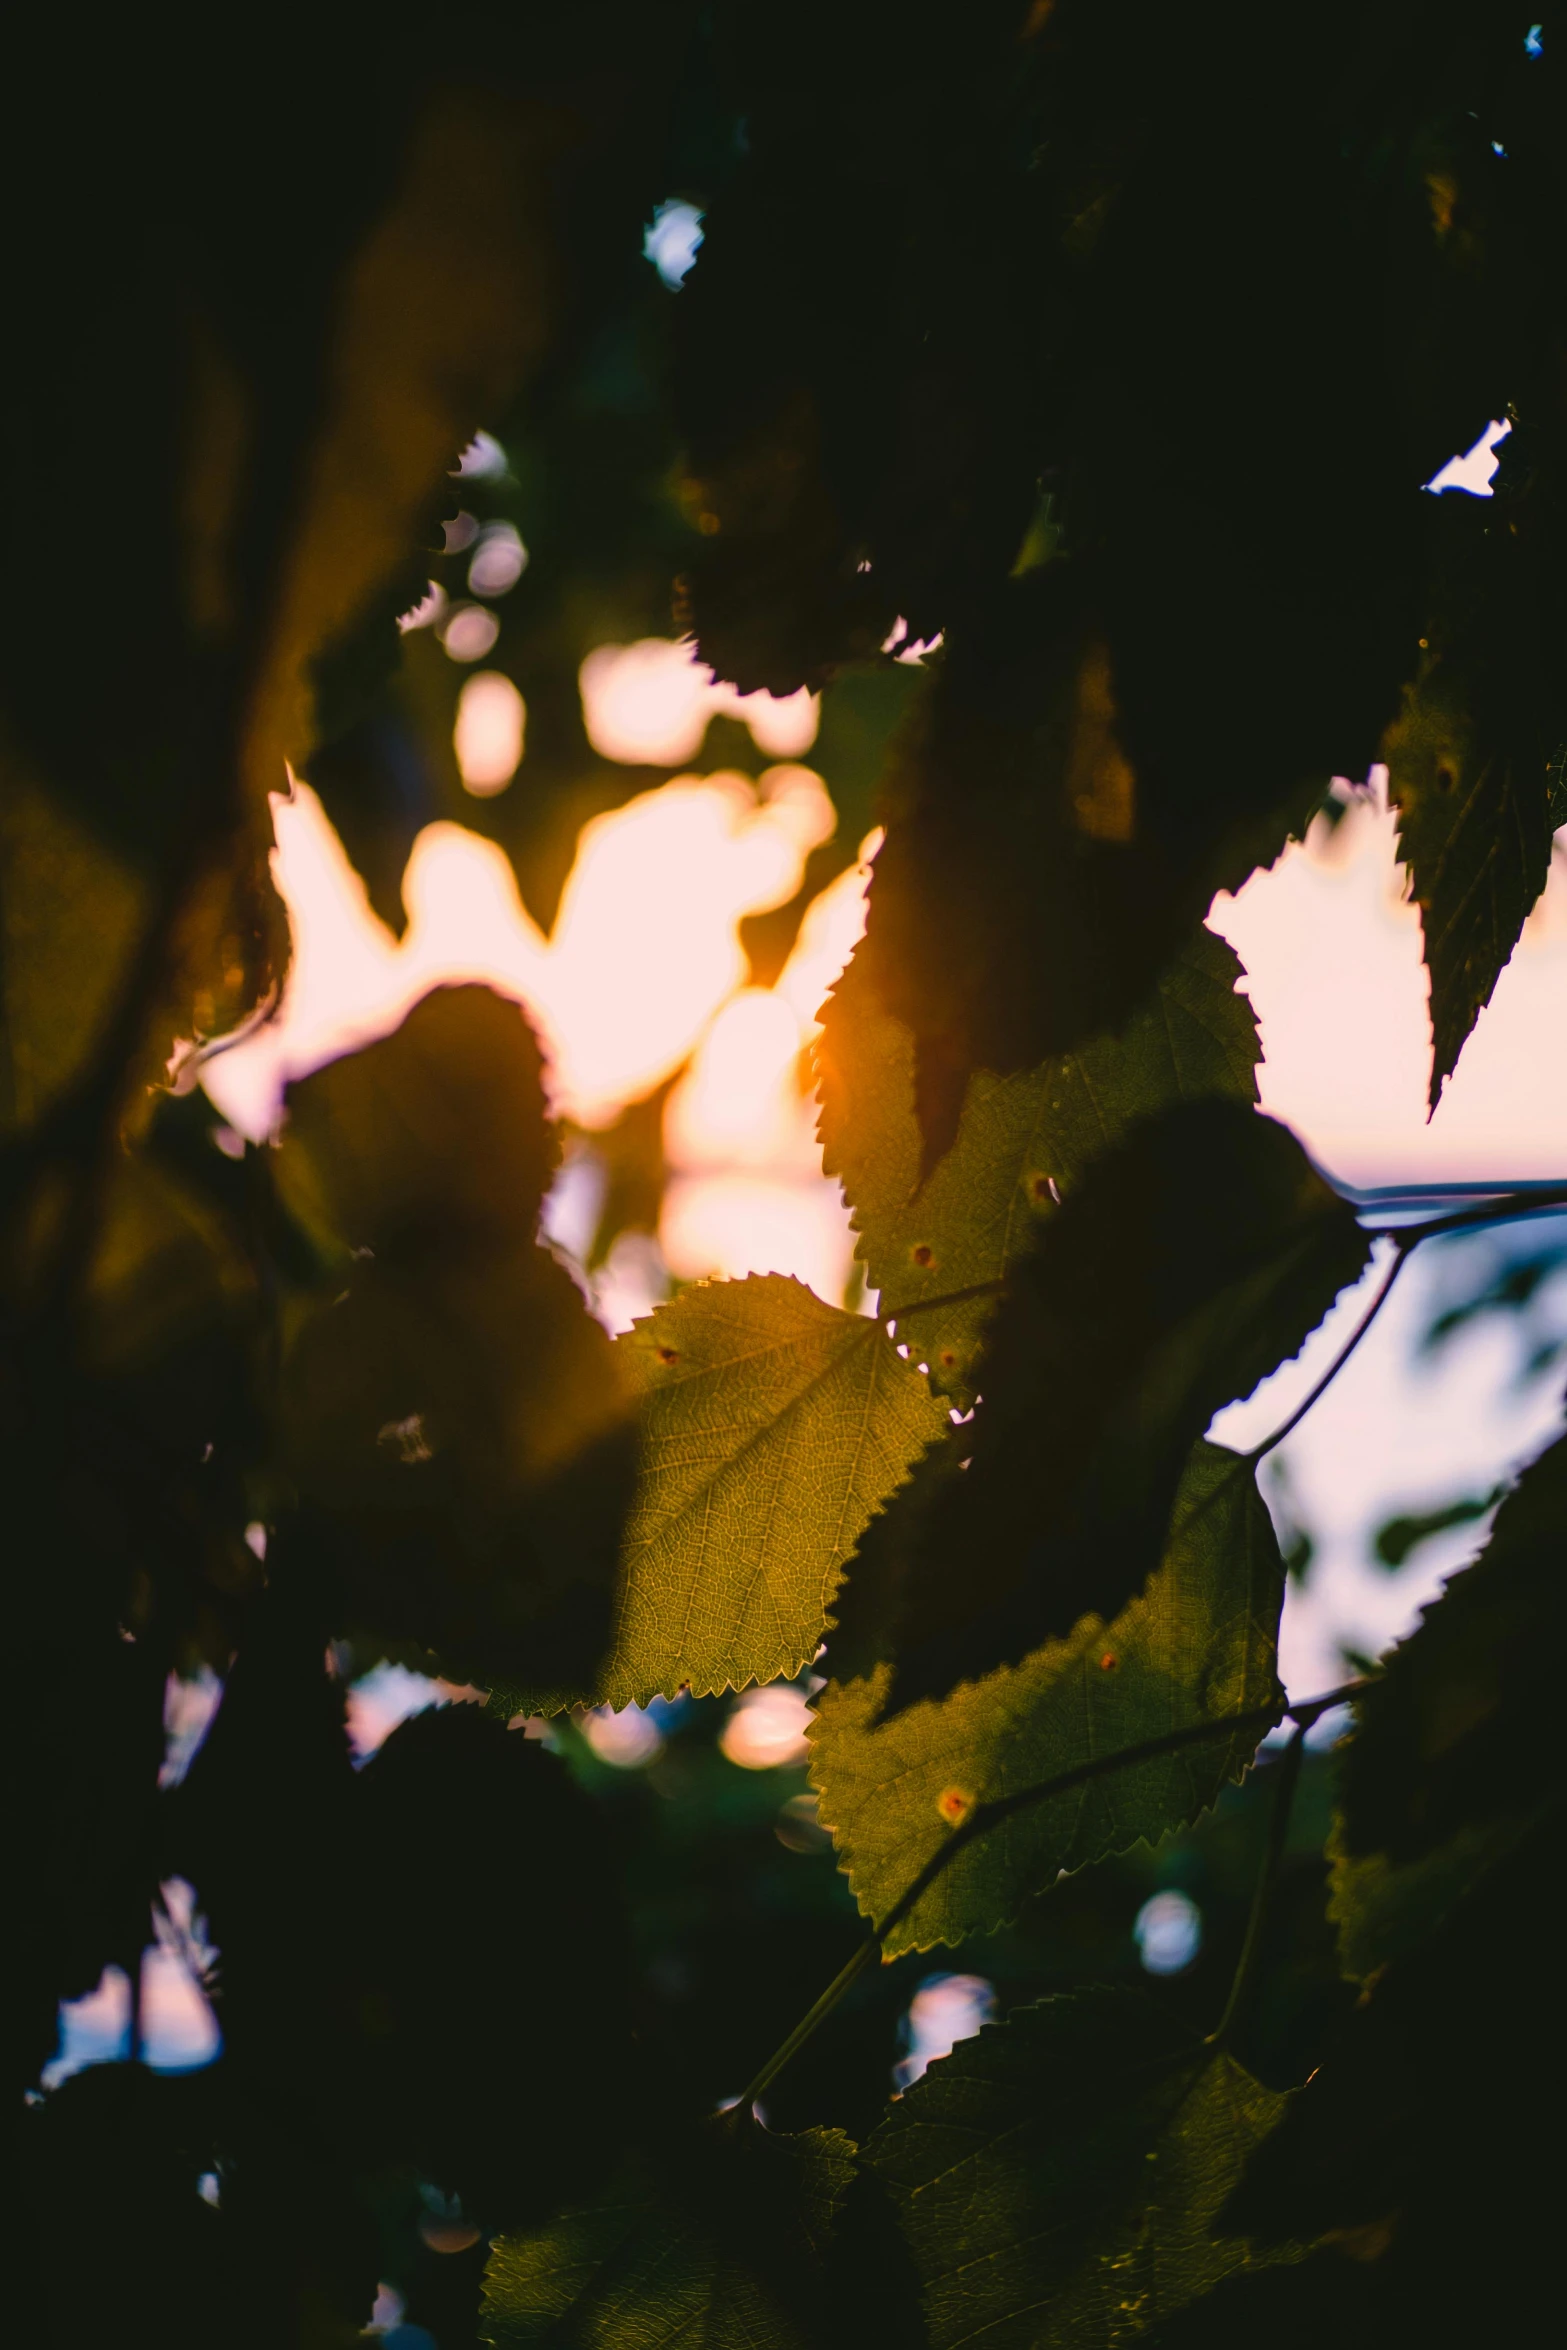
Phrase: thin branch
(989, 1815)
(1287, 1427)
(1507, 1208)
(1256, 1924)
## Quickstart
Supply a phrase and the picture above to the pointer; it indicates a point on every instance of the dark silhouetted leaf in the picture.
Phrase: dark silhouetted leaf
(431, 1136)
(1453, 1756)
(1193, 1256)
(58, 886)
(457, 1415)
(494, 2047)
(1413, 2150)
(1470, 754)
(1058, 2177)
(720, 2243)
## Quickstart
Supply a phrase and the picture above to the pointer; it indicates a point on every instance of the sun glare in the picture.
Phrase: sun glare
(644, 978)
(649, 704)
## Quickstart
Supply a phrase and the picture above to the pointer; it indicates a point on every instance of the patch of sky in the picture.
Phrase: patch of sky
(672, 240)
(166, 2023)
(1475, 469)
(944, 2010)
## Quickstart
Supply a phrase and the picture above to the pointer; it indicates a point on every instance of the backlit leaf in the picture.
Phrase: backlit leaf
(772, 1427)
(1022, 1141)
(1199, 1641)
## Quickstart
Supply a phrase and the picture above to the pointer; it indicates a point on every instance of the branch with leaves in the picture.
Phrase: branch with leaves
(277, 1417)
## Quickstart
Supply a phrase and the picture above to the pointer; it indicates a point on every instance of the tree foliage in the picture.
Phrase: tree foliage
(1053, 395)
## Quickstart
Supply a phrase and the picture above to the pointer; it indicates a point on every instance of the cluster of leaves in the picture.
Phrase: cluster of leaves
(971, 304)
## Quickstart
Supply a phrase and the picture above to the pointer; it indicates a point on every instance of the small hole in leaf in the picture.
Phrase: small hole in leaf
(954, 1805)
(1108, 1662)
(923, 1253)
(1445, 778)
(667, 1354)
(948, 1358)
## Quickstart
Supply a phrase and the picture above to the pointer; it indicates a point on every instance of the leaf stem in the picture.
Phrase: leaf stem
(1256, 1924)
(950, 1297)
(988, 1815)
(842, 1981)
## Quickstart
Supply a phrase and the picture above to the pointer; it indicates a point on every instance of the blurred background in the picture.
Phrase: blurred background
(547, 793)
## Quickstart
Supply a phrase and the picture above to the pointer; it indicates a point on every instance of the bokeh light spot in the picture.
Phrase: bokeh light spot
(499, 560)
(470, 633)
(944, 2010)
(766, 1730)
(489, 734)
(1168, 1929)
(628, 1740)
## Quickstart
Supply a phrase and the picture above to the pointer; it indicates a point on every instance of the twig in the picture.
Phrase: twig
(950, 1297)
(1251, 1948)
(1506, 1208)
(986, 1816)
(1384, 1291)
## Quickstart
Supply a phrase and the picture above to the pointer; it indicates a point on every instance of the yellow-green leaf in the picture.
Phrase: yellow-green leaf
(1199, 1641)
(1021, 1142)
(773, 1426)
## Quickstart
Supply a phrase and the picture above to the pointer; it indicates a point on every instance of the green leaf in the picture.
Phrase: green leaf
(1058, 2177)
(1454, 1754)
(1194, 1255)
(721, 2244)
(772, 1427)
(1021, 1141)
(1199, 1641)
